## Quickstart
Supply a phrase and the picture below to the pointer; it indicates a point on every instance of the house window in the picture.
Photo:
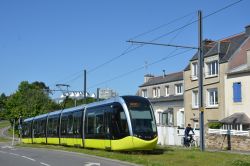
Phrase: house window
(178, 89)
(237, 92)
(212, 68)
(156, 92)
(144, 93)
(194, 70)
(180, 118)
(167, 118)
(195, 101)
(212, 97)
(167, 90)
(164, 118)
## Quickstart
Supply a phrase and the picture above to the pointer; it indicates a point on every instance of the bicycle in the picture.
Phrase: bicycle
(189, 141)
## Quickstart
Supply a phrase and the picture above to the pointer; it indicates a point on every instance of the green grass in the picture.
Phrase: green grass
(171, 156)
(4, 123)
(4, 139)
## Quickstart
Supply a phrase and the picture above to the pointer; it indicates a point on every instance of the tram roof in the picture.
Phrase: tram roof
(55, 113)
(40, 116)
(114, 99)
(28, 119)
(74, 109)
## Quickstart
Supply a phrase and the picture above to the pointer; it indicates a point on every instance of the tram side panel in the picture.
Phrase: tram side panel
(27, 132)
(71, 129)
(53, 129)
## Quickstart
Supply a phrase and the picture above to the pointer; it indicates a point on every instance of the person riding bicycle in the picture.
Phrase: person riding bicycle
(187, 131)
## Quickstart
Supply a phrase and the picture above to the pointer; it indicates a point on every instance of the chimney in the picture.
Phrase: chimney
(247, 29)
(164, 73)
(147, 77)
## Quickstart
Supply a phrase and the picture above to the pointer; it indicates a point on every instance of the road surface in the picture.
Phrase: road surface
(11, 156)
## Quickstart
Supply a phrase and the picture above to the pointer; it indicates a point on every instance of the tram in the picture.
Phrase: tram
(120, 123)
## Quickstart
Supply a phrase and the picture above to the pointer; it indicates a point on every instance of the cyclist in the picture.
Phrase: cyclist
(187, 131)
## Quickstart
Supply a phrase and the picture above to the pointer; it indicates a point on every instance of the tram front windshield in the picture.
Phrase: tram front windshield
(142, 118)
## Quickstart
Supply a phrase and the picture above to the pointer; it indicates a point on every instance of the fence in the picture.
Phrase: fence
(232, 132)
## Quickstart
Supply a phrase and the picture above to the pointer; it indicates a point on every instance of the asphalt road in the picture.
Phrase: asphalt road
(18, 156)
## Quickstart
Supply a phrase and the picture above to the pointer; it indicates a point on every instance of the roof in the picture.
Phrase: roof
(41, 116)
(178, 76)
(243, 71)
(225, 48)
(236, 118)
(235, 43)
(81, 107)
(165, 99)
(28, 119)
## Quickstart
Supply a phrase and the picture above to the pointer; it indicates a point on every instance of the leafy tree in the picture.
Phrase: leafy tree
(30, 100)
(3, 99)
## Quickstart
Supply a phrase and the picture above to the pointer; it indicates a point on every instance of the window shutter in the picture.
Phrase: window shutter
(237, 92)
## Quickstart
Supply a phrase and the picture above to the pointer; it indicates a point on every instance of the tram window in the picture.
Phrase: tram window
(35, 128)
(90, 123)
(77, 124)
(119, 122)
(70, 124)
(94, 123)
(142, 117)
(64, 121)
(26, 130)
(42, 127)
(99, 123)
(53, 126)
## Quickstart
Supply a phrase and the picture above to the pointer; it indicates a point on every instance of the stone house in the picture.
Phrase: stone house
(166, 95)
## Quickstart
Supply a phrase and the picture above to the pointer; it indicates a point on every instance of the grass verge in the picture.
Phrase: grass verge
(2, 139)
(4, 123)
(172, 156)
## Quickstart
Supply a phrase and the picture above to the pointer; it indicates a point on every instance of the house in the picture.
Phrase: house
(166, 95)
(218, 56)
(237, 85)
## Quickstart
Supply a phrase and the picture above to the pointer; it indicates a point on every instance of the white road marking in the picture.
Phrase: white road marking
(7, 147)
(3, 152)
(14, 154)
(44, 164)
(28, 158)
(91, 164)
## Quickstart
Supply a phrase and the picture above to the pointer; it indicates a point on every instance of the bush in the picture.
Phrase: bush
(214, 125)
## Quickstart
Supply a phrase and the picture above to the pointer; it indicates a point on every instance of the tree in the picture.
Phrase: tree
(30, 100)
(3, 99)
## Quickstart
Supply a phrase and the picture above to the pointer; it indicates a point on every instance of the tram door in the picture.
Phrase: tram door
(108, 128)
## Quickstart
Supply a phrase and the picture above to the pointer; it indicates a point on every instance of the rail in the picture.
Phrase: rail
(232, 132)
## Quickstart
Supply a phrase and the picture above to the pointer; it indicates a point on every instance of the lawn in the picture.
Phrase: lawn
(172, 156)
(2, 125)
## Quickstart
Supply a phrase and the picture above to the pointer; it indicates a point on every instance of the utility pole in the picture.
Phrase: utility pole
(85, 86)
(200, 80)
(200, 70)
(97, 94)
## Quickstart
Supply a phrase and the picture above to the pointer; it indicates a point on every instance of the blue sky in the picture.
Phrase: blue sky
(50, 41)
